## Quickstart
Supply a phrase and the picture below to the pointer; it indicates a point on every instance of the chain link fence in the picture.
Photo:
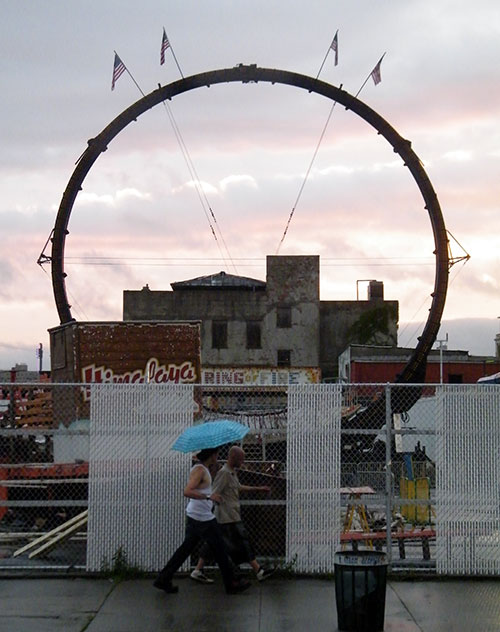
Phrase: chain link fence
(87, 471)
(44, 465)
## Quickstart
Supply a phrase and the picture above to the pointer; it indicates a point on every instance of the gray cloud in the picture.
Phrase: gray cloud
(56, 95)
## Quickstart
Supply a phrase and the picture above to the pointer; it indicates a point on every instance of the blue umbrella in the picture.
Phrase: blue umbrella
(210, 434)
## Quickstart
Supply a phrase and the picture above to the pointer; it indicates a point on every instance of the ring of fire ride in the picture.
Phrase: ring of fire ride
(414, 371)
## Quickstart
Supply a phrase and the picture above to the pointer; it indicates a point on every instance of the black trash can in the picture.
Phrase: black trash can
(360, 581)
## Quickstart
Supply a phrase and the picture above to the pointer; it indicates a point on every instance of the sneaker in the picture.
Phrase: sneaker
(199, 576)
(167, 586)
(264, 573)
(238, 586)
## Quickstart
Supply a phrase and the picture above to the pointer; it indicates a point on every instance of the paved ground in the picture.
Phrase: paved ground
(291, 605)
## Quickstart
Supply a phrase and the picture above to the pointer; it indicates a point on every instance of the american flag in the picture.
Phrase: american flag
(376, 76)
(335, 46)
(164, 45)
(118, 70)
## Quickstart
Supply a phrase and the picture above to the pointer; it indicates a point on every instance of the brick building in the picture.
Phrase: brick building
(365, 364)
(279, 323)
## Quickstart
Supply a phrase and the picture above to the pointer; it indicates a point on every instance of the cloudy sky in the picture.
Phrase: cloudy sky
(141, 218)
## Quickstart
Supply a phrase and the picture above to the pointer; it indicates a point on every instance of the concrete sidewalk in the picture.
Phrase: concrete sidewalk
(291, 605)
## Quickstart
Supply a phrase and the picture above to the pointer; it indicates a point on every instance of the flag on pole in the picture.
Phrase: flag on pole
(164, 45)
(335, 47)
(118, 70)
(375, 74)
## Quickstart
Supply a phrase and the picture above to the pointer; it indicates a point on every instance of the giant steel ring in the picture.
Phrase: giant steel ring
(414, 371)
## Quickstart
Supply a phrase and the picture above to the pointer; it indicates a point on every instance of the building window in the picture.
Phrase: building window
(455, 378)
(284, 317)
(219, 334)
(284, 356)
(253, 335)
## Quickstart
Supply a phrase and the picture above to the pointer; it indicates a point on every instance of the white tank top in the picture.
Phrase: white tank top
(201, 509)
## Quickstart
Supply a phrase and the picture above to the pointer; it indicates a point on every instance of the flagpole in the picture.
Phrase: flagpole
(327, 53)
(323, 63)
(131, 75)
(366, 80)
(175, 59)
(173, 54)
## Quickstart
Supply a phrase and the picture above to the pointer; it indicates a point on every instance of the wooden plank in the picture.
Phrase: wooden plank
(356, 491)
(35, 412)
(381, 535)
(53, 533)
(64, 535)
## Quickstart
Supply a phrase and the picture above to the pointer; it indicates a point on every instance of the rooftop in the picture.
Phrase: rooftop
(220, 280)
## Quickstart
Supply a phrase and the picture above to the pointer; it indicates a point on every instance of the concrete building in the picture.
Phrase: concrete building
(276, 323)
(19, 373)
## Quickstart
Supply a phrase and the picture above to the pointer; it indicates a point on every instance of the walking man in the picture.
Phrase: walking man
(228, 514)
(201, 525)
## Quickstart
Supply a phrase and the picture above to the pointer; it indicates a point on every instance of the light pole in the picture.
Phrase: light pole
(39, 355)
(497, 342)
(443, 344)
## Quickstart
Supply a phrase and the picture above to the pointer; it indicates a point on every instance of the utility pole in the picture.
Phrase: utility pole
(443, 344)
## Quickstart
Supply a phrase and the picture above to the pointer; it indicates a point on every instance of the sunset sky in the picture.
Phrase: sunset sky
(139, 218)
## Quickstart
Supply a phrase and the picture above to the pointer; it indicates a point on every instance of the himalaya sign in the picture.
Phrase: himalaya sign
(153, 373)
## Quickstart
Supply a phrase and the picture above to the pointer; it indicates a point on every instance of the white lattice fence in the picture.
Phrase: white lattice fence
(467, 480)
(313, 477)
(135, 479)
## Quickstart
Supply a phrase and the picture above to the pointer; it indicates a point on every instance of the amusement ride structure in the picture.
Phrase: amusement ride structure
(414, 371)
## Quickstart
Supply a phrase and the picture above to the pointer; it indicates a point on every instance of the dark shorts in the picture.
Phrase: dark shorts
(237, 543)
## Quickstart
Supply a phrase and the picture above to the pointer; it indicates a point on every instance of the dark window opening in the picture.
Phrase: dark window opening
(284, 357)
(455, 378)
(283, 317)
(219, 334)
(253, 335)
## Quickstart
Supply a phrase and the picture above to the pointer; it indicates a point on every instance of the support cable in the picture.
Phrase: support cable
(78, 307)
(202, 196)
(453, 260)
(321, 138)
(306, 176)
(43, 258)
(452, 280)
(190, 166)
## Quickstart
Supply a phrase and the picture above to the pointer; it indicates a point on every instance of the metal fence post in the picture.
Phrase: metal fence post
(388, 471)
